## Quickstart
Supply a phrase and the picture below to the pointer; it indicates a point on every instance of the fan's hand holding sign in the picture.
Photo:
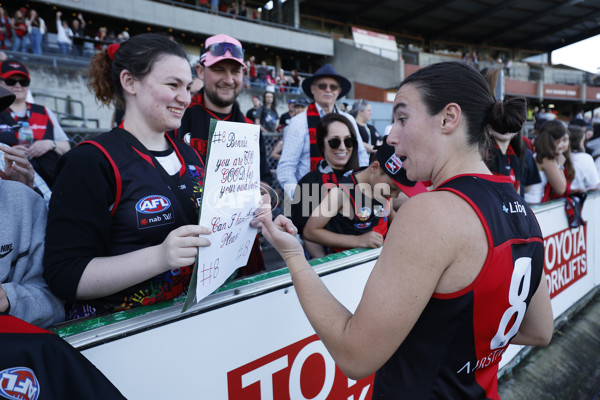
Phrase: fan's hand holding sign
(231, 195)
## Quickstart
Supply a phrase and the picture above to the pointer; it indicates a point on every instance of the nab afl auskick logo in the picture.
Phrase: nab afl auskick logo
(19, 383)
(153, 204)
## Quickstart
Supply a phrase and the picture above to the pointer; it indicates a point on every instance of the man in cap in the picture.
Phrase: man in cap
(300, 152)
(221, 67)
(49, 139)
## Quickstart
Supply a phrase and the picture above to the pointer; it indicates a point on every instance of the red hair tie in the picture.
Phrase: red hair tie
(112, 49)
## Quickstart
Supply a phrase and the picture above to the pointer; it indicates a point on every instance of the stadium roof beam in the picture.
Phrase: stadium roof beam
(357, 12)
(469, 19)
(426, 9)
(526, 20)
(556, 29)
(574, 39)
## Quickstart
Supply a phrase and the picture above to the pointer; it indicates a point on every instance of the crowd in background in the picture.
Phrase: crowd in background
(558, 162)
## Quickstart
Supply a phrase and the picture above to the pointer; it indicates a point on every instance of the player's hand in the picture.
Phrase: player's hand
(370, 240)
(180, 247)
(281, 232)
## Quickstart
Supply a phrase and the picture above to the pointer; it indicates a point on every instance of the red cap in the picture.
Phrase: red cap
(9, 68)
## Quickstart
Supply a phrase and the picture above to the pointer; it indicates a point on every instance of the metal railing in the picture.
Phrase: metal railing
(64, 117)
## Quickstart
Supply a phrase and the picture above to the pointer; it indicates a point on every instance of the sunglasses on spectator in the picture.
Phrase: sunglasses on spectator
(13, 82)
(323, 86)
(219, 49)
(334, 143)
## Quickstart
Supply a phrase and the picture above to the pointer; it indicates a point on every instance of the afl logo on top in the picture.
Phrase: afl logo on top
(153, 204)
(19, 383)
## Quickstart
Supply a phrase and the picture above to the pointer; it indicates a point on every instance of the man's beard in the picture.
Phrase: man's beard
(219, 101)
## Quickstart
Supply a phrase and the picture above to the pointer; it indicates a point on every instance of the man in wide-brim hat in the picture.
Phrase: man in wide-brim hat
(300, 153)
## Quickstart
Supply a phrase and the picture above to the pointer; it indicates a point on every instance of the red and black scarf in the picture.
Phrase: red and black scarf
(313, 118)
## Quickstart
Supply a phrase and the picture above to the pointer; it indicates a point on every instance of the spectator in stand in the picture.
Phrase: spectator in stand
(251, 69)
(100, 38)
(270, 80)
(294, 81)
(579, 119)
(362, 111)
(23, 291)
(253, 114)
(37, 30)
(586, 173)
(261, 73)
(554, 163)
(5, 32)
(214, 6)
(78, 25)
(299, 106)
(123, 36)
(49, 139)
(281, 80)
(111, 37)
(285, 117)
(121, 258)
(19, 31)
(64, 34)
(300, 154)
(243, 11)
(338, 146)
(267, 115)
(232, 9)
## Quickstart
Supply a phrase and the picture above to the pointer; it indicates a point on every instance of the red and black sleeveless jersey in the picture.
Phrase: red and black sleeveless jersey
(145, 210)
(39, 122)
(369, 213)
(508, 164)
(454, 348)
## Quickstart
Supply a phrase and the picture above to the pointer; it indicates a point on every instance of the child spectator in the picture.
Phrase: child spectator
(586, 173)
(554, 163)
(357, 213)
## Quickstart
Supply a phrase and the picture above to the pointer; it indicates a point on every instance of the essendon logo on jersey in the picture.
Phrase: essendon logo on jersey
(393, 164)
(19, 383)
(153, 204)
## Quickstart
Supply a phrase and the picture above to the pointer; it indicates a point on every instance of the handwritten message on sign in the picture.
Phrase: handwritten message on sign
(231, 195)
